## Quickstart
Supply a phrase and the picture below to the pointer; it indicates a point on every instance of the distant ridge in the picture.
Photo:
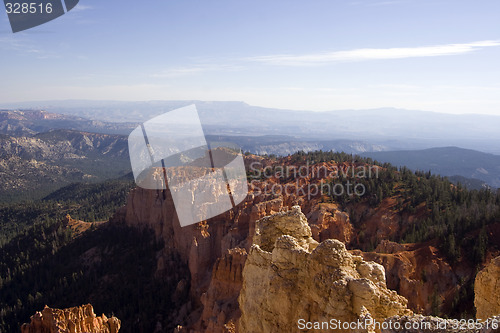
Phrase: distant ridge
(23, 122)
(398, 129)
(446, 161)
(34, 166)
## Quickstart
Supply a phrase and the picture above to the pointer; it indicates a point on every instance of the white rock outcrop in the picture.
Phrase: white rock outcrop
(288, 277)
(487, 290)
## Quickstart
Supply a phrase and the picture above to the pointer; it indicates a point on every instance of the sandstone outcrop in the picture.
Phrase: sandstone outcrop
(200, 258)
(196, 256)
(204, 261)
(220, 304)
(327, 221)
(80, 319)
(418, 273)
(487, 290)
(288, 276)
(292, 222)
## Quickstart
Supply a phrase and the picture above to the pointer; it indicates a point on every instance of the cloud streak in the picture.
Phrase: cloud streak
(325, 58)
(11, 43)
(81, 8)
(365, 54)
(378, 3)
(195, 69)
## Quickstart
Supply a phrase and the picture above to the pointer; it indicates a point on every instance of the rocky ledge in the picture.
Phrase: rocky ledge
(289, 277)
(77, 319)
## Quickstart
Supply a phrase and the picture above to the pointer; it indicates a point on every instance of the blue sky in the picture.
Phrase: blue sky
(434, 55)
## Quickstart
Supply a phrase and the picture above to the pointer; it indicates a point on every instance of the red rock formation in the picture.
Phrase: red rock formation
(80, 319)
(213, 251)
(418, 273)
(486, 290)
(208, 249)
(329, 222)
(79, 227)
(220, 302)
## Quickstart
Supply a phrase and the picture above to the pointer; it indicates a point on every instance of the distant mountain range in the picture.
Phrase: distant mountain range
(388, 135)
(286, 145)
(395, 129)
(31, 122)
(447, 161)
(32, 167)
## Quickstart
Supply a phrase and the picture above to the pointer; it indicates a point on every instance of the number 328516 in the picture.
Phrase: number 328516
(25, 8)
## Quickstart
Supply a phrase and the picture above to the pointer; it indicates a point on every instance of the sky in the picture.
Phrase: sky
(433, 55)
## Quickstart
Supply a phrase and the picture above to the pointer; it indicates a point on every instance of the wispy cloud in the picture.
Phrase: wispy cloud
(323, 58)
(179, 71)
(19, 44)
(378, 3)
(364, 54)
(292, 88)
(387, 3)
(81, 8)
(11, 43)
(195, 69)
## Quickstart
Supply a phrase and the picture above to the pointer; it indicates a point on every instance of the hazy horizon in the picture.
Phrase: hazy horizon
(34, 104)
(423, 55)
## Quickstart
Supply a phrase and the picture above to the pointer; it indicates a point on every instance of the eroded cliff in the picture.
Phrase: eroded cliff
(487, 290)
(288, 276)
(205, 261)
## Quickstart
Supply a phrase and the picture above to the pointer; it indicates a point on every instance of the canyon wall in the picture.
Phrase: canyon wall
(487, 290)
(206, 262)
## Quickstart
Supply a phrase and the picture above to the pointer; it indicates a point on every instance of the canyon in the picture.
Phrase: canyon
(216, 252)
(279, 256)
